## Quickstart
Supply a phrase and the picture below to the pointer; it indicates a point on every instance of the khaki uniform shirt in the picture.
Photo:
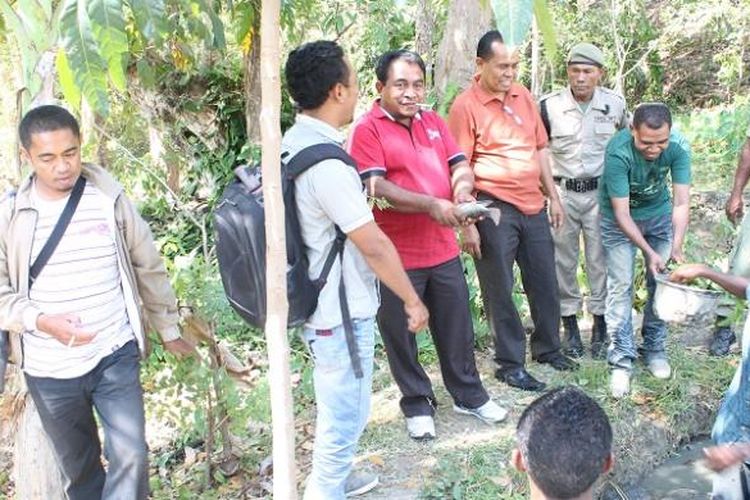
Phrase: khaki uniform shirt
(577, 139)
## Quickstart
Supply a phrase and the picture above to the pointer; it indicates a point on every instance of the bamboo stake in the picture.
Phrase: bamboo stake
(284, 469)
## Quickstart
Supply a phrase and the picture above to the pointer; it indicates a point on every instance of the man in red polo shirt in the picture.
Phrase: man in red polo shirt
(497, 125)
(409, 158)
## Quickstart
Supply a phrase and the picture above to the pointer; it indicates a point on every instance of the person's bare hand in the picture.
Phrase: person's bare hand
(734, 209)
(180, 347)
(687, 273)
(443, 212)
(65, 328)
(677, 256)
(471, 242)
(464, 198)
(417, 315)
(556, 213)
(718, 458)
(655, 263)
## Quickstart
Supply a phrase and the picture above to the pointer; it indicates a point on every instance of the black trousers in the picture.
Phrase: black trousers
(525, 239)
(443, 290)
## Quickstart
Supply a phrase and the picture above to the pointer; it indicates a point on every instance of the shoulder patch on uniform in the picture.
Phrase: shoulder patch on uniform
(612, 93)
(549, 94)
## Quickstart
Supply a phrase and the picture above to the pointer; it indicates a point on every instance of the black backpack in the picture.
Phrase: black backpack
(240, 238)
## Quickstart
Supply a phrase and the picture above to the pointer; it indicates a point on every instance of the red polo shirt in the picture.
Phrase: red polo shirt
(417, 158)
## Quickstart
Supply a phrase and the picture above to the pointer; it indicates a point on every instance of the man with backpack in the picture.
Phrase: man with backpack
(407, 156)
(74, 315)
(329, 195)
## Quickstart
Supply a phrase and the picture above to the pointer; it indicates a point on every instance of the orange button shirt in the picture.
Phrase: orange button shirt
(502, 138)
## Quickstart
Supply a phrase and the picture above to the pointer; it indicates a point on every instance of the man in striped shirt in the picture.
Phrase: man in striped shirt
(77, 330)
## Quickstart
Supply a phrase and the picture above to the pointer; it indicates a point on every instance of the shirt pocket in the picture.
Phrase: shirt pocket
(564, 135)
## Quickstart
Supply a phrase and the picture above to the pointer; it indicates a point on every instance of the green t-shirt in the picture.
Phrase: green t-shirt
(628, 174)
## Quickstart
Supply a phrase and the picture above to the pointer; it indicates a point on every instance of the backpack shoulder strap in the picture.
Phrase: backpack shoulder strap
(313, 155)
(545, 116)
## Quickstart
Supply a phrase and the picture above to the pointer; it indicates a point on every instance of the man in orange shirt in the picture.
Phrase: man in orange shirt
(497, 125)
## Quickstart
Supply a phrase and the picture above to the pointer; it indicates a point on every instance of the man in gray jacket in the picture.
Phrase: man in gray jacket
(77, 330)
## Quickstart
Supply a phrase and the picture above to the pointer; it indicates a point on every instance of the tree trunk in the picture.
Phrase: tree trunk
(251, 61)
(35, 472)
(425, 27)
(284, 469)
(467, 21)
(536, 67)
(158, 151)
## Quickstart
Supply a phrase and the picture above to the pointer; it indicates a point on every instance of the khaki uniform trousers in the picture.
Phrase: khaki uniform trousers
(581, 216)
(739, 265)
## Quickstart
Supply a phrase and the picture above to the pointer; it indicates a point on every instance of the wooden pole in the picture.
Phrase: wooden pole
(284, 469)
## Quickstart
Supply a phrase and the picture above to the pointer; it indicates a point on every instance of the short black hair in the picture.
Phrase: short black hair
(47, 118)
(652, 114)
(312, 70)
(484, 47)
(385, 61)
(565, 439)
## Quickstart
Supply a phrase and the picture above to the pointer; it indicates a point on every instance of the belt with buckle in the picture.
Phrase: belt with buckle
(581, 185)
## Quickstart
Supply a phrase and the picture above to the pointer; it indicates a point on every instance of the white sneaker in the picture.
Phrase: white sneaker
(420, 427)
(489, 413)
(619, 383)
(659, 368)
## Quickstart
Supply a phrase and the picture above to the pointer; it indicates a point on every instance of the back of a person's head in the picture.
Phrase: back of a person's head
(312, 70)
(565, 440)
(47, 118)
(653, 115)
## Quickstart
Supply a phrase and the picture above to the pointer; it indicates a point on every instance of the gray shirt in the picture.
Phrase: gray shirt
(330, 193)
(578, 137)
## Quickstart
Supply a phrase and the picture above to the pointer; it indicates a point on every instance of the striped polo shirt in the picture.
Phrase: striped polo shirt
(82, 277)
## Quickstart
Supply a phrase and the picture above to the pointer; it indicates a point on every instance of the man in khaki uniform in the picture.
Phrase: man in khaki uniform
(740, 262)
(580, 119)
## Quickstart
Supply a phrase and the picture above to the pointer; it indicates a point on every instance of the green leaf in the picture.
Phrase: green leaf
(547, 28)
(108, 27)
(217, 27)
(146, 73)
(67, 81)
(89, 69)
(149, 17)
(513, 18)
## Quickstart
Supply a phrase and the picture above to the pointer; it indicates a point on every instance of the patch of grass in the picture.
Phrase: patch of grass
(478, 473)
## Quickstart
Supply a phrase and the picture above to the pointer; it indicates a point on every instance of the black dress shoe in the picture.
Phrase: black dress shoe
(520, 379)
(722, 341)
(559, 362)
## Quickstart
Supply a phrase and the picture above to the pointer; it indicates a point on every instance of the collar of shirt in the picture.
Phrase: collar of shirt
(379, 112)
(595, 103)
(485, 97)
(322, 128)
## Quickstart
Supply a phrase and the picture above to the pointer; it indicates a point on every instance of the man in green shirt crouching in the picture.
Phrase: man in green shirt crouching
(638, 213)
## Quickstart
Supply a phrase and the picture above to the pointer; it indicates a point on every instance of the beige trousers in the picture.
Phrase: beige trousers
(739, 265)
(581, 219)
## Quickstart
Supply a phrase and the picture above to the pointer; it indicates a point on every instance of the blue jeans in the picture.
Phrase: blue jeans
(343, 405)
(113, 388)
(620, 255)
(733, 421)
